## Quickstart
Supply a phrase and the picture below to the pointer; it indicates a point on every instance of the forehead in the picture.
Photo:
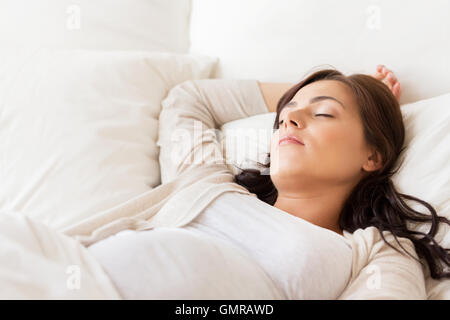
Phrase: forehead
(331, 88)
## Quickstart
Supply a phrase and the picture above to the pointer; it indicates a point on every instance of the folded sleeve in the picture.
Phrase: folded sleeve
(382, 273)
(191, 116)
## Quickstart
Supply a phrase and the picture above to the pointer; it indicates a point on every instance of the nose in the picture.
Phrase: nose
(292, 121)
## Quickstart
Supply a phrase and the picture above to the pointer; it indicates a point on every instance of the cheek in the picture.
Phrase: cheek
(327, 148)
(343, 145)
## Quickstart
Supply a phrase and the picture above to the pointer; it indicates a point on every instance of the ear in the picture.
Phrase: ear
(373, 162)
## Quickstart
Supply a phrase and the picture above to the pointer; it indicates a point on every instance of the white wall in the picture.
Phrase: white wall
(152, 25)
(281, 40)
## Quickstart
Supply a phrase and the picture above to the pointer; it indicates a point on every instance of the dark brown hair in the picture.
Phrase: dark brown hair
(374, 201)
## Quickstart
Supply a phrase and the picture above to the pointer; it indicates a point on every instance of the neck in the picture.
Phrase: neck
(321, 208)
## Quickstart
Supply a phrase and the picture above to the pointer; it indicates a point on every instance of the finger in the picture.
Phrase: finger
(385, 71)
(391, 78)
(379, 72)
(392, 75)
(378, 76)
(388, 84)
(397, 90)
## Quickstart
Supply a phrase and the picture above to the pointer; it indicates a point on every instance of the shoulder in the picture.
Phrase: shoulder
(369, 239)
(369, 247)
(380, 271)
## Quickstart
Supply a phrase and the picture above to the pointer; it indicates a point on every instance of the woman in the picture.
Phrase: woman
(339, 176)
(322, 202)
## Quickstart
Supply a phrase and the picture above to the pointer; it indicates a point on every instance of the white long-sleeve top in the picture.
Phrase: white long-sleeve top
(303, 260)
(241, 246)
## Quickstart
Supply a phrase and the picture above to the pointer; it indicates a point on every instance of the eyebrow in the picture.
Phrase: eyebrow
(315, 99)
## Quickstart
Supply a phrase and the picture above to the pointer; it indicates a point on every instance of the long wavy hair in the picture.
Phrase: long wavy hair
(374, 201)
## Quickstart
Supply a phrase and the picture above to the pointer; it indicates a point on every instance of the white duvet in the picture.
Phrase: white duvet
(37, 262)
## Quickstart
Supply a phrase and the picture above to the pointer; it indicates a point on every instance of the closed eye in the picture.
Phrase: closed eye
(317, 115)
(325, 115)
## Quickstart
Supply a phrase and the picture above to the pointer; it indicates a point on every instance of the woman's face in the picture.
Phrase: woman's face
(325, 117)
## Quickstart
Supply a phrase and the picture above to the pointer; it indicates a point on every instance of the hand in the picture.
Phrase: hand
(388, 78)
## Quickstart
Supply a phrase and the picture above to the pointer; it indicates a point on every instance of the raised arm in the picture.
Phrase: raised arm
(272, 92)
(381, 273)
(190, 116)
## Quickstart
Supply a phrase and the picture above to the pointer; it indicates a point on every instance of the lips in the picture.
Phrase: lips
(290, 139)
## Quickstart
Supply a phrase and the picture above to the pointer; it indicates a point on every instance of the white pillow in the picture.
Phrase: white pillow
(78, 128)
(247, 141)
(425, 172)
(150, 25)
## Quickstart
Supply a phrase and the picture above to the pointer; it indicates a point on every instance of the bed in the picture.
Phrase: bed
(80, 95)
